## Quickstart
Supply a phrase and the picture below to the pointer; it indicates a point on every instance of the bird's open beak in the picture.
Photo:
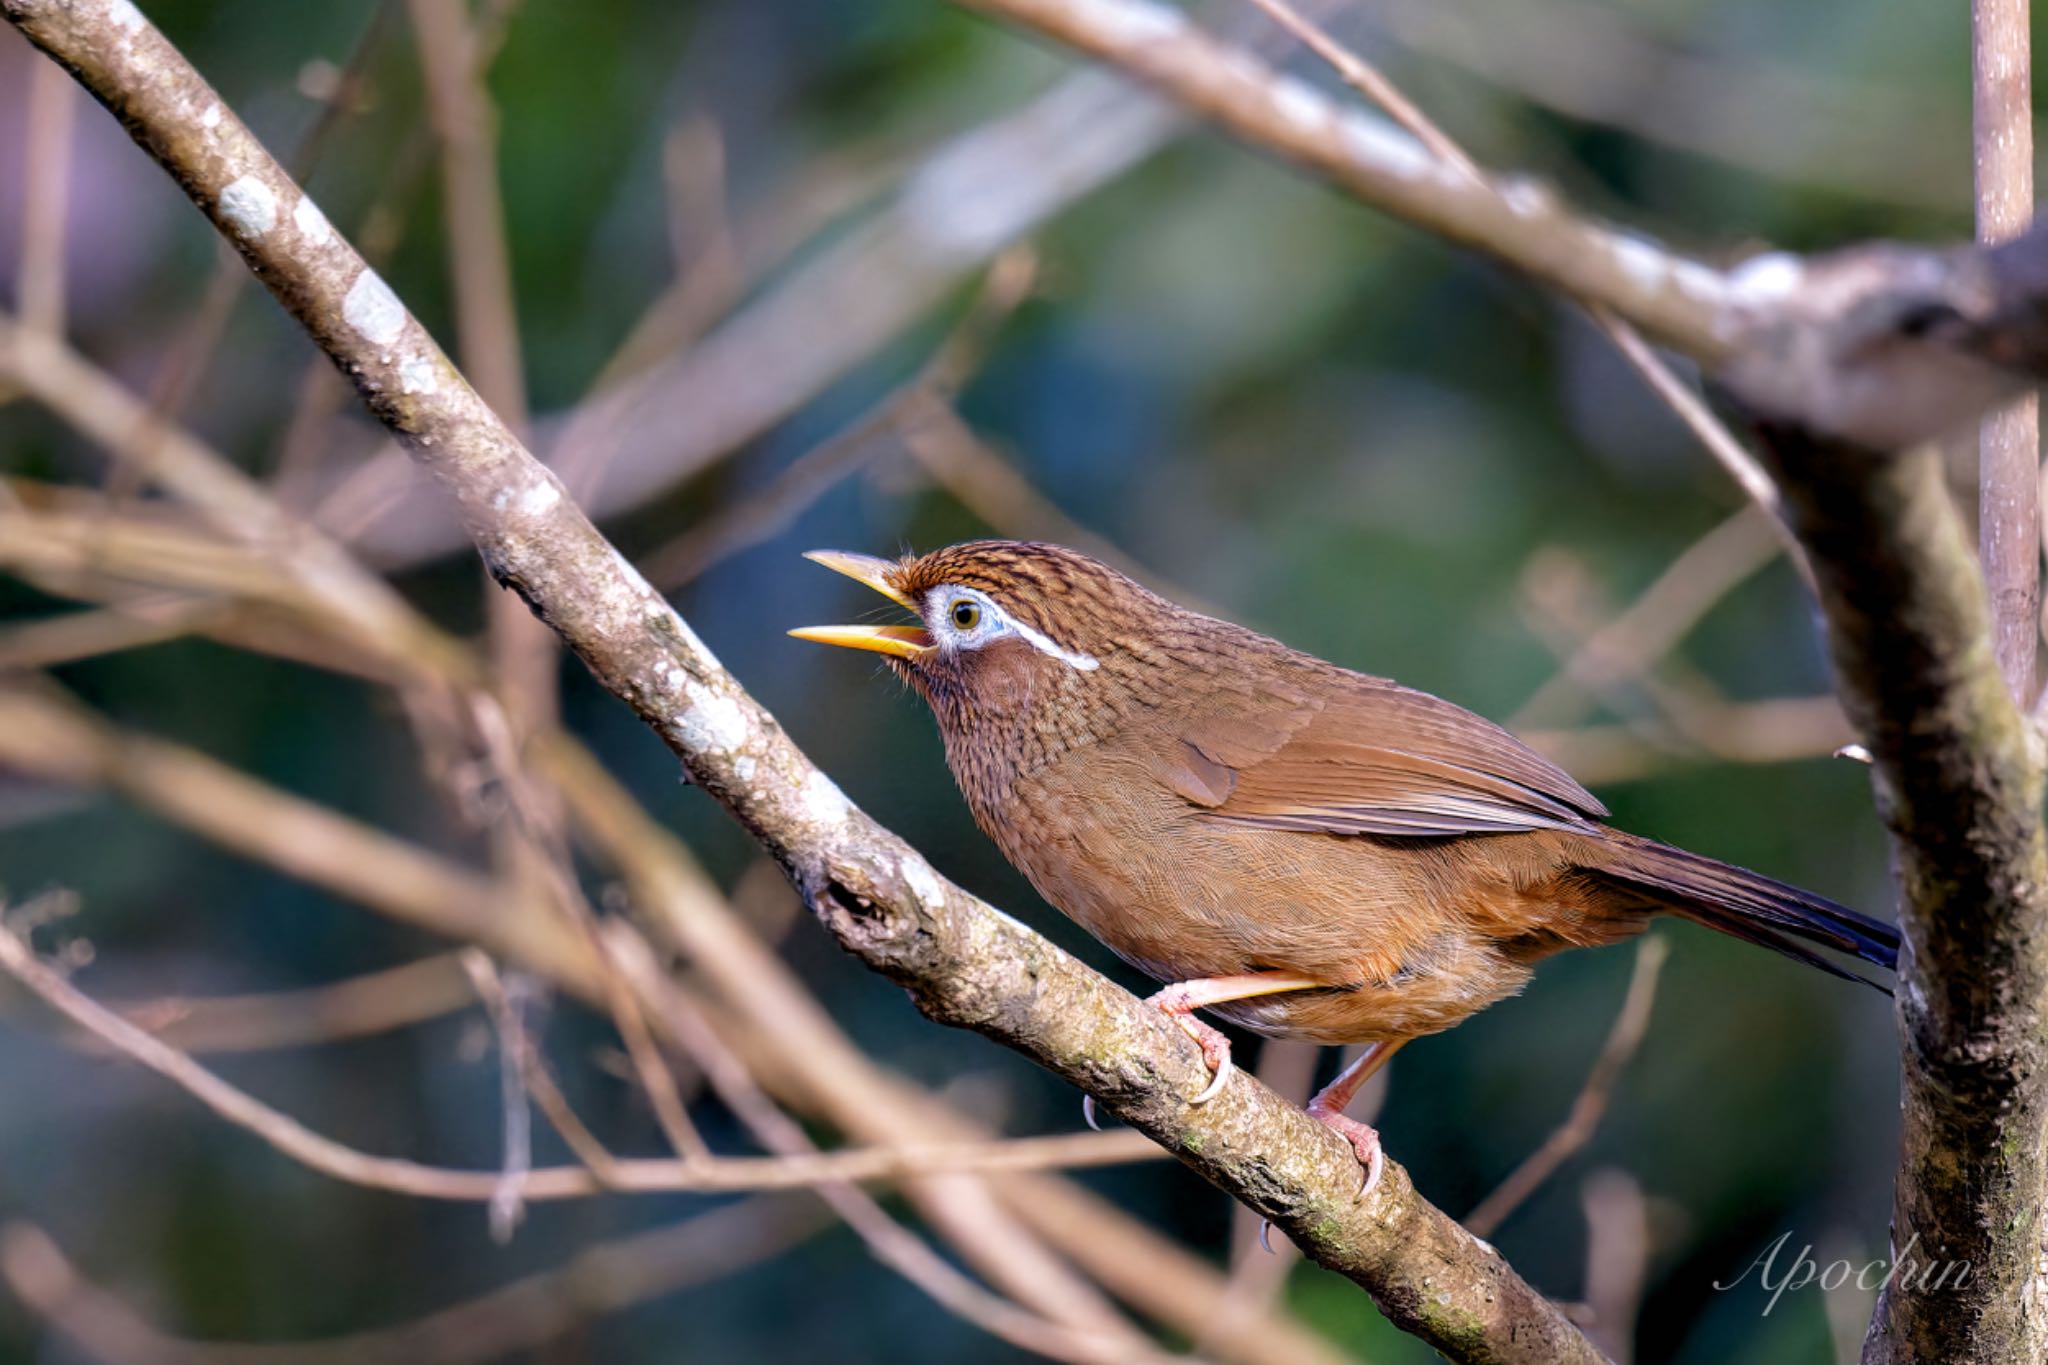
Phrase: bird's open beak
(904, 642)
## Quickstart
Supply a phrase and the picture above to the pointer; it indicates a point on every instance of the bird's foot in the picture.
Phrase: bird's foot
(1177, 1004)
(1364, 1140)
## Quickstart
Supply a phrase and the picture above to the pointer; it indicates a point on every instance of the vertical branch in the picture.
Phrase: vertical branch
(39, 288)
(2009, 441)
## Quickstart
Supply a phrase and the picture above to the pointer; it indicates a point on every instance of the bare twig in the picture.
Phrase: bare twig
(1753, 110)
(1362, 76)
(1617, 1258)
(893, 1245)
(725, 1174)
(1626, 1035)
(1635, 639)
(507, 1014)
(376, 1002)
(1008, 283)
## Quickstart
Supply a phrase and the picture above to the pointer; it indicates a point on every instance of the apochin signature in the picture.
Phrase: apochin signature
(1911, 1273)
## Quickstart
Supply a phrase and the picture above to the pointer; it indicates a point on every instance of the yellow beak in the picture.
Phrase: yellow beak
(904, 642)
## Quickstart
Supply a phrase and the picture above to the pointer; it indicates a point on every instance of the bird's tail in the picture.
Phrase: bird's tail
(1751, 907)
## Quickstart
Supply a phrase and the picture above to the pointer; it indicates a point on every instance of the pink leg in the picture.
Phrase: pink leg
(1328, 1108)
(1180, 1001)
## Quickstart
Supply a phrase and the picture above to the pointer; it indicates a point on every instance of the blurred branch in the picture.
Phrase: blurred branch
(1603, 64)
(1663, 614)
(2009, 440)
(526, 1314)
(73, 636)
(452, 62)
(1689, 715)
(1679, 301)
(964, 963)
(1008, 284)
(39, 278)
(1617, 1258)
(1779, 730)
(1631, 1022)
(46, 736)
(1881, 344)
(375, 1002)
(105, 412)
(954, 212)
(706, 1175)
(986, 484)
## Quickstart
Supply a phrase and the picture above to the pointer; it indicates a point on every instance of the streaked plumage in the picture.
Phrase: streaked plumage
(1210, 804)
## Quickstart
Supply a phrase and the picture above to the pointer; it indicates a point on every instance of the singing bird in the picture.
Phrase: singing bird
(1303, 850)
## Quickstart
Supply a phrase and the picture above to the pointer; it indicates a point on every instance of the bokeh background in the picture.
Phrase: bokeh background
(1270, 399)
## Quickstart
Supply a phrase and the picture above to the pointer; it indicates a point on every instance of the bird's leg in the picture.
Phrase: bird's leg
(1328, 1108)
(1180, 1001)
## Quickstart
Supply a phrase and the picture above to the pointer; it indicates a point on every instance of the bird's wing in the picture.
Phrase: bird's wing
(1360, 755)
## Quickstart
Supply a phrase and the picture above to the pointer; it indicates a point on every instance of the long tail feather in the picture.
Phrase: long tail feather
(1752, 907)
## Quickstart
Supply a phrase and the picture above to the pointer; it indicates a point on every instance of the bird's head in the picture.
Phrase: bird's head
(1003, 626)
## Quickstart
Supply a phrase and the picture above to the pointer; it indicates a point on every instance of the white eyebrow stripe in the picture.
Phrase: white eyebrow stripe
(1037, 639)
(1031, 635)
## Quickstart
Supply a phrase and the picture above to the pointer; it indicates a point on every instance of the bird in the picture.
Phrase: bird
(1297, 848)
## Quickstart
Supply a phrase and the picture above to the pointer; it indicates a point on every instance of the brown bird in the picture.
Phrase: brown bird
(1304, 850)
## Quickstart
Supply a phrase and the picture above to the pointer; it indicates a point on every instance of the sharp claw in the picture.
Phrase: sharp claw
(1088, 1112)
(1373, 1170)
(1266, 1236)
(1216, 1082)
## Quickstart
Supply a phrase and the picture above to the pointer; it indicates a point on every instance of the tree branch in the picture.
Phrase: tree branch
(2009, 440)
(1960, 787)
(963, 962)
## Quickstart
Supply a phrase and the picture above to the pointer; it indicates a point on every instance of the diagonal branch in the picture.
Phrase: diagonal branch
(965, 963)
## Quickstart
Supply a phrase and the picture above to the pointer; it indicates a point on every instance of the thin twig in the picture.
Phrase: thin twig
(359, 1007)
(1631, 1022)
(1362, 76)
(1633, 640)
(890, 1243)
(508, 1199)
(724, 1174)
(1751, 108)
(1004, 288)
(1617, 1258)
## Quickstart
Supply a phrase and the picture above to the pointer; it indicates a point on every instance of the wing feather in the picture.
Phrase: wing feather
(1360, 755)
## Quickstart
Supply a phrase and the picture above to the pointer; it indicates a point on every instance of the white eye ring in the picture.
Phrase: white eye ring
(945, 608)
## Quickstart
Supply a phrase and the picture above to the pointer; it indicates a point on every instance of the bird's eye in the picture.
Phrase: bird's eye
(966, 614)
